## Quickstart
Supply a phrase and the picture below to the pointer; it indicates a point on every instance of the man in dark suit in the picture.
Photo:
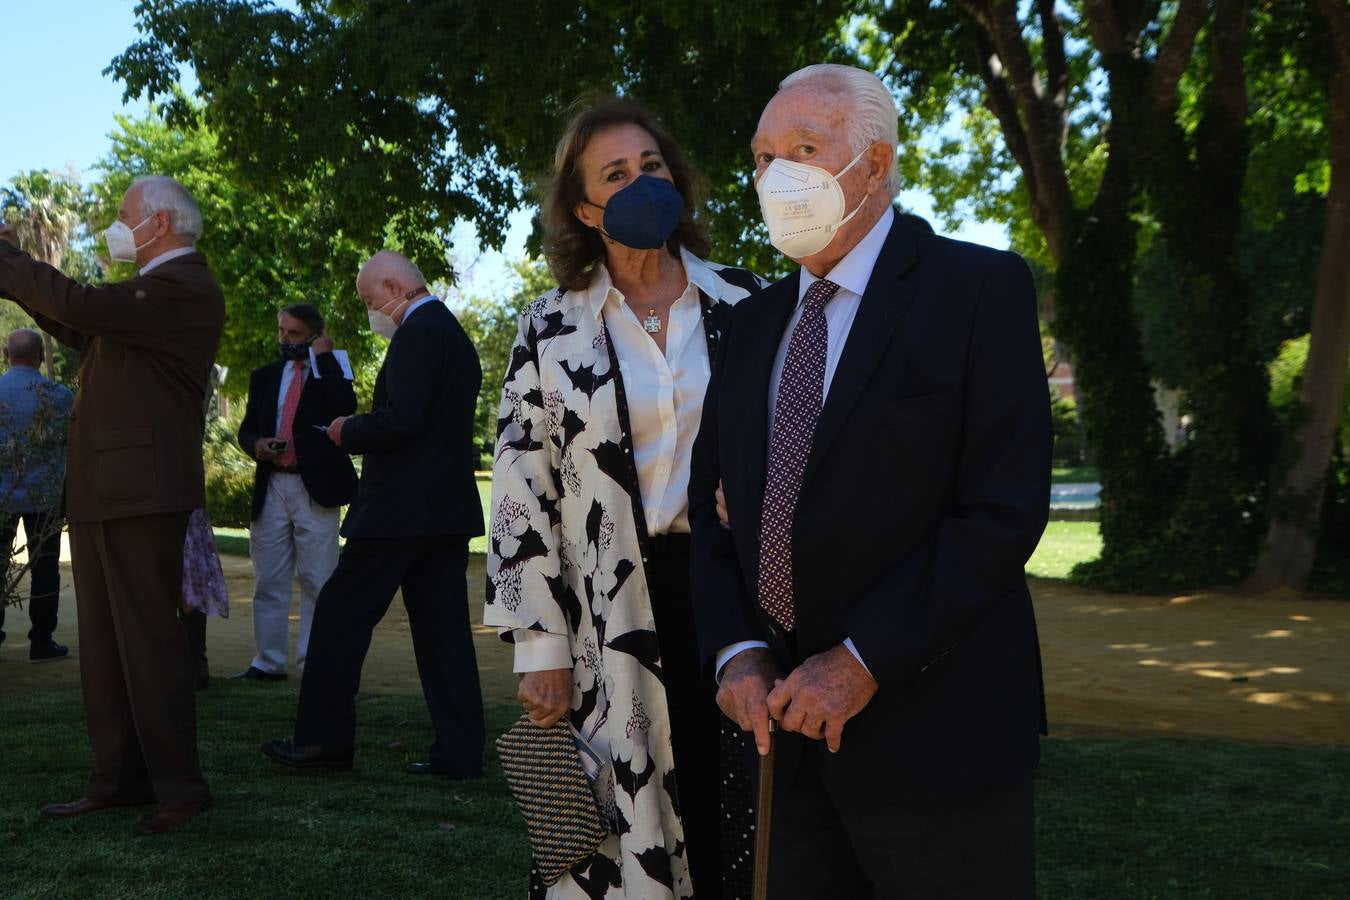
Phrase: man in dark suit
(879, 422)
(300, 485)
(416, 508)
(133, 474)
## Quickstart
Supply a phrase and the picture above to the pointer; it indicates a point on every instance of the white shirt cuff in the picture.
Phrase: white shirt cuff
(726, 653)
(539, 651)
(848, 642)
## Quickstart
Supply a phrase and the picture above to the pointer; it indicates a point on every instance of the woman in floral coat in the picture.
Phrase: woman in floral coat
(588, 565)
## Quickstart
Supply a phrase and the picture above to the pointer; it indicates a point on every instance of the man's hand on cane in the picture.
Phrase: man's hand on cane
(821, 694)
(747, 679)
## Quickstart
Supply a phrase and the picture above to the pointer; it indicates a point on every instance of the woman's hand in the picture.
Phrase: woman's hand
(546, 695)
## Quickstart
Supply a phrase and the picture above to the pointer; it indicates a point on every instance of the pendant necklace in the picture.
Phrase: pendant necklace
(652, 324)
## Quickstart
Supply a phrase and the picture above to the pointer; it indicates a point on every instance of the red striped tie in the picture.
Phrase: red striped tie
(286, 430)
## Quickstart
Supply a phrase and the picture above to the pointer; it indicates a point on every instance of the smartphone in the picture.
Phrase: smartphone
(277, 446)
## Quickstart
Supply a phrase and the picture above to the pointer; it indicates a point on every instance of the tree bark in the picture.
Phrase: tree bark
(1093, 248)
(48, 351)
(1291, 542)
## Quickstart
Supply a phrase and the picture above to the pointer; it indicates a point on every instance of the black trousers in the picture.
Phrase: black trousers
(431, 572)
(695, 720)
(44, 574)
(827, 846)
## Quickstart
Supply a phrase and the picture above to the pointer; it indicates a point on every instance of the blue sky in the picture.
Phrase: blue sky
(60, 109)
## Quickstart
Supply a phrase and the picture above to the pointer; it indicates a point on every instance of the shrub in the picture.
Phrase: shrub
(229, 496)
(229, 477)
(1069, 449)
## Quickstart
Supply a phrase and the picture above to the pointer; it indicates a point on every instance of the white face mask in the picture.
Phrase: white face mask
(382, 323)
(121, 238)
(803, 206)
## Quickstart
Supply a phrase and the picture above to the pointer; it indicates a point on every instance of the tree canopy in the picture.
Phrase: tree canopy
(410, 115)
(264, 257)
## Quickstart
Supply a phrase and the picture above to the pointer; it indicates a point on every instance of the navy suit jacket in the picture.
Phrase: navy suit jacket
(926, 490)
(326, 471)
(417, 478)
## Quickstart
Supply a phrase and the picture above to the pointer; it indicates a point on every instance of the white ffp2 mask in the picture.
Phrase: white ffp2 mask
(803, 205)
(382, 323)
(121, 240)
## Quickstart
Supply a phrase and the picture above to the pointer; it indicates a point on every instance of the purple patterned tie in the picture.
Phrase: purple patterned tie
(800, 393)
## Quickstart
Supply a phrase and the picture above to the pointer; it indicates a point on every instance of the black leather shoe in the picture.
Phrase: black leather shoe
(47, 651)
(253, 673)
(288, 754)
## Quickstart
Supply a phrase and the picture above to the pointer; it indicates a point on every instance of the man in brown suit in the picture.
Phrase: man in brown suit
(133, 474)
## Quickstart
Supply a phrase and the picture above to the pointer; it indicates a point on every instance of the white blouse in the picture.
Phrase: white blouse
(665, 405)
(665, 400)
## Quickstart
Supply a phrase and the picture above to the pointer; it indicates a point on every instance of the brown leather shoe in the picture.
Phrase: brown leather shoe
(84, 805)
(166, 820)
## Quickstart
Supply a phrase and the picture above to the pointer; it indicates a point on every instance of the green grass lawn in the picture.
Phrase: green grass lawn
(1074, 474)
(1064, 545)
(1145, 818)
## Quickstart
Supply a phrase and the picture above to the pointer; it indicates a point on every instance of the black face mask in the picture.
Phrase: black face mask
(293, 352)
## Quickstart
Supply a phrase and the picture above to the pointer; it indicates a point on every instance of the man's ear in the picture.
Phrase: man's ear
(880, 162)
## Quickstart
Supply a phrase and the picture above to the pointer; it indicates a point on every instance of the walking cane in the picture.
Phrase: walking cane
(763, 817)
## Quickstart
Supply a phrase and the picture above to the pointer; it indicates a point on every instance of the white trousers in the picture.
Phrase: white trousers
(293, 536)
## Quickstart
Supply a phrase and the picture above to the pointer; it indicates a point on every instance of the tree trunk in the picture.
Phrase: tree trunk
(1291, 541)
(1094, 317)
(48, 352)
(1216, 530)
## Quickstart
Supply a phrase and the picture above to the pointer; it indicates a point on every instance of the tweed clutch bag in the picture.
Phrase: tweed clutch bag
(543, 769)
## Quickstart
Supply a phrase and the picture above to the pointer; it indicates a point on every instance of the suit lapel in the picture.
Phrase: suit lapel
(884, 304)
(268, 426)
(764, 339)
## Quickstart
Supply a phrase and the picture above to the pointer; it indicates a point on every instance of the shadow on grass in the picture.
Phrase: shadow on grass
(1140, 818)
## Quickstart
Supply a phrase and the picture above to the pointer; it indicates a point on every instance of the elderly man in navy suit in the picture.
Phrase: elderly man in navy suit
(879, 421)
(408, 529)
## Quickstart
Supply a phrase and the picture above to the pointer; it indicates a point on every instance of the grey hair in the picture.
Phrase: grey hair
(162, 193)
(872, 115)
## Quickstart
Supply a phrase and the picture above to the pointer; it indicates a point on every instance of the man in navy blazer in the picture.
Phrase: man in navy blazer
(879, 423)
(416, 507)
(299, 490)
